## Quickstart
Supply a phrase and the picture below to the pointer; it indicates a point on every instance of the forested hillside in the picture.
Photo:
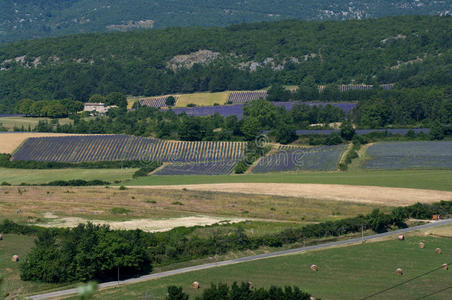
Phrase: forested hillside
(28, 19)
(412, 51)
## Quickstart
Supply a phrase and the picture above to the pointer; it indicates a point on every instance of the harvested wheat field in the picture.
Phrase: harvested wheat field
(112, 204)
(10, 141)
(359, 194)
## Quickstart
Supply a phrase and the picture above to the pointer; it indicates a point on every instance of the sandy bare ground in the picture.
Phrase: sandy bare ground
(149, 225)
(10, 141)
(361, 194)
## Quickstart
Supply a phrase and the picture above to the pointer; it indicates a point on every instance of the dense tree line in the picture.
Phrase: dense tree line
(242, 291)
(259, 115)
(48, 108)
(26, 20)
(285, 52)
(95, 252)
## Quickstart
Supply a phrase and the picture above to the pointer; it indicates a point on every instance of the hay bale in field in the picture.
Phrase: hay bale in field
(312, 298)
(421, 245)
(438, 251)
(15, 258)
(195, 285)
(1, 237)
(445, 267)
(250, 285)
(399, 271)
(314, 268)
(401, 237)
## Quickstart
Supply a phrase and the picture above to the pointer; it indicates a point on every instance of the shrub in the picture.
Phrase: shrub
(119, 211)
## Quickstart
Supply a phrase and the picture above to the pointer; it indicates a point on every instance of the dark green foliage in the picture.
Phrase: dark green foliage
(48, 108)
(347, 130)
(170, 101)
(243, 291)
(24, 164)
(147, 168)
(134, 63)
(87, 252)
(77, 182)
(37, 19)
(351, 155)
(116, 98)
(176, 293)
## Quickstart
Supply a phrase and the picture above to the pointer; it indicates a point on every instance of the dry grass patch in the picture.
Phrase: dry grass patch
(98, 202)
(386, 196)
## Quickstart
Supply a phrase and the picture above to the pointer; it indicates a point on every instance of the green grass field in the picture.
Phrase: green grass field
(422, 179)
(17, 245)
(18, 176)
(11, 122)
(350, 272)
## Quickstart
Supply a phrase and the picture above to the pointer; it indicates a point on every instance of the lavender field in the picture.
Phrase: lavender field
(319, 158)
(237, 109)
(240, 97)
(124, 147)
(410, 155)
(202, 168)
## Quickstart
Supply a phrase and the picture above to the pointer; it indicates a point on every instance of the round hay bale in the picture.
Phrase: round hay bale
(401, 237)
(312, 298)
(399, 271)
(15, 258)
(250, 285)
(438, 251)
(1, 237)
(195, 285)
(445, 267)
(421, 245)
(314, 268)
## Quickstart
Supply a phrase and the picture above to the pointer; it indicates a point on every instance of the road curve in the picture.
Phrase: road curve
(239, 260)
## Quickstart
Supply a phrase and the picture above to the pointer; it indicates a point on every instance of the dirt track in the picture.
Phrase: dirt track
(361, 194)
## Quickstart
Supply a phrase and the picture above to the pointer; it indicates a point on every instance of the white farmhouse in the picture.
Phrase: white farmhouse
(97, 108)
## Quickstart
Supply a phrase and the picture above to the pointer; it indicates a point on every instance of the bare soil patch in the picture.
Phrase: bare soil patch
(361, 194)
(149, 225)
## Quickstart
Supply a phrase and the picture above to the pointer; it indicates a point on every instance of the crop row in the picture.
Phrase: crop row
(410, 155)
(245, 97)
(207, 168)
(124, 147)
(155, 102)
(289, 158)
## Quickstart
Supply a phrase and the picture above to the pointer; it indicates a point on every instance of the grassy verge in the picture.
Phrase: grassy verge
(17, 176)
(421, 179)
(11, 122)
(345, 273)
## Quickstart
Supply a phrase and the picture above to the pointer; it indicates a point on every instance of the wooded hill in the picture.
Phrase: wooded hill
(412, 51)
(32, 19)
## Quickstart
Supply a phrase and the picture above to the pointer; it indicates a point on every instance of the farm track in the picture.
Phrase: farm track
(360, 194)
(64, 293)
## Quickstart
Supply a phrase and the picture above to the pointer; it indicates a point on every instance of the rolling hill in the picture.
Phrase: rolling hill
(34, 19)
(411, 50)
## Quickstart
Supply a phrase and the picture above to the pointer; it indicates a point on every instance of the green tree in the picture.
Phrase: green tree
(176, 293)
(118, 99)
(97, 98)
(24, 106)
(437, 131)
(251, 128)
(347, 130)
(170, 101)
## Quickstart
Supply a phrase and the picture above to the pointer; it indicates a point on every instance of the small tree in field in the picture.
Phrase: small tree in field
(347, 130)
(170, 101)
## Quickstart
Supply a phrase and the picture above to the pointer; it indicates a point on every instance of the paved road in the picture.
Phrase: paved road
(240, 260)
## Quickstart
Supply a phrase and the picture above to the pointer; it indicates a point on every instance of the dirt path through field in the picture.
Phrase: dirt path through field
(362, 194)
